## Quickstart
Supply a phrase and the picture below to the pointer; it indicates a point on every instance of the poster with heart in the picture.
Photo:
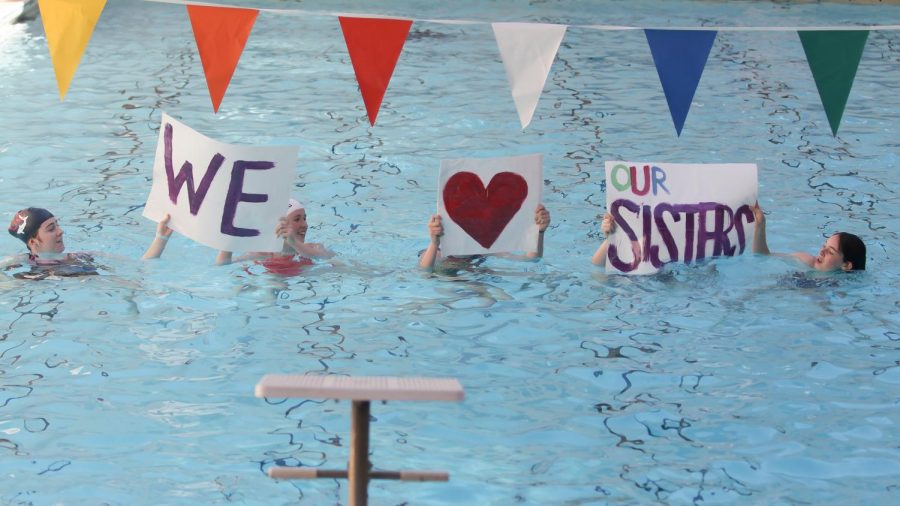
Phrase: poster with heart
(677, 212)
(487, 204)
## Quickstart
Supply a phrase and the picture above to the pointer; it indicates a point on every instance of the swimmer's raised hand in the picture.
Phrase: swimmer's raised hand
(542, 217)
(158, 245)
(162, 228)
(758, 216)
(430, 254)
(281, 230)
(609, 225)
(760, 243)
(435, 228)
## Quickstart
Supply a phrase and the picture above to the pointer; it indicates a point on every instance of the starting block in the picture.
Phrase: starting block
(361, 390)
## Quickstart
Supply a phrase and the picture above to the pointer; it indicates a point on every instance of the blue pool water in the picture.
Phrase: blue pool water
(730, 382)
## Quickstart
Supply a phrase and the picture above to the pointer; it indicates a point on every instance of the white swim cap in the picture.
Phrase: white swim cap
(293, 205)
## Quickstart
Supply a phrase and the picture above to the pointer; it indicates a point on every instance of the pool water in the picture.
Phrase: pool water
(734, 381)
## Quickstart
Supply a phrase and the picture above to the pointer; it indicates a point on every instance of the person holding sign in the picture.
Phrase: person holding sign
(432, 254)
(224, 196)
(676, 213)
(842, 251)
(295, 253)
(484, 207)
(43, 236)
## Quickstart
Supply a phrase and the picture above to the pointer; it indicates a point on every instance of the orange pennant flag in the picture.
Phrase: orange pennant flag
(68, 25)
(374, 45)
(221, 34)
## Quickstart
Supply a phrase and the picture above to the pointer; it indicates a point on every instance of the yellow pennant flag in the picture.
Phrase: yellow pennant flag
(68, 25)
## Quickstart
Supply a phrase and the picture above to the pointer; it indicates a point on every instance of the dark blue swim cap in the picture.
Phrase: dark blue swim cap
(25, 223)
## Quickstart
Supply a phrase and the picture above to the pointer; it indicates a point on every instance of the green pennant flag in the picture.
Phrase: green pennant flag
(833, 57)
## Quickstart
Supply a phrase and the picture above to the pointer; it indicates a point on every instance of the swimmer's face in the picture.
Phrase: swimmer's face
(296, 222)
(49, 238)
(830, 257)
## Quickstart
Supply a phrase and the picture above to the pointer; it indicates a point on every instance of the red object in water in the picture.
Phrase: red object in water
(285, 265)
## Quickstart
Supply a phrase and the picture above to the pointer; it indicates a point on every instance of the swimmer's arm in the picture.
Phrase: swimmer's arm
(223, 258)
(431, 254)
(155, 250)
(760, 245)
(304, 249)
(542, 220)
(599, 257)
(806, 258)
(13, 262)
(607, 227)
(163, 232)
(539, 253)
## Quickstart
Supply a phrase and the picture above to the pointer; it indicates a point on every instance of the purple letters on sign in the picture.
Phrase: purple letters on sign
(236, 195)
(696, 226)
(186, 174)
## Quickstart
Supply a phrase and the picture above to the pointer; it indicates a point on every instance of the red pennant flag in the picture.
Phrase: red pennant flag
(221, 33)
(374, 45)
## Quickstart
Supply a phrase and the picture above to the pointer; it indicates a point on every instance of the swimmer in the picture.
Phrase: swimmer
(607, 227)
(841, 252)
(292, 229)
(432, 254)
(44, 238)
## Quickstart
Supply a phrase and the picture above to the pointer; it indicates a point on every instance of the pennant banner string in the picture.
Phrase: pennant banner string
(302, 12)
(527, 50)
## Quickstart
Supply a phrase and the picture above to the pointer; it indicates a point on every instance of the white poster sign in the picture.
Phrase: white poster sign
(487, 205)
(671, 212)
(224, 196)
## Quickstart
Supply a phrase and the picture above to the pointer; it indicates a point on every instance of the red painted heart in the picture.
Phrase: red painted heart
(484, 212)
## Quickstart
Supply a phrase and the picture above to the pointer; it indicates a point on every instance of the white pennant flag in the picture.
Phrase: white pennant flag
(527, 50)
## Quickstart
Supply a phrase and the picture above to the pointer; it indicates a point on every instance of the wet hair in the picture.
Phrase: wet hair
(853, 249)
(26, 223)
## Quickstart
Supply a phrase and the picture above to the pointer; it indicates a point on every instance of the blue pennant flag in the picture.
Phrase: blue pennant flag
(679, 56)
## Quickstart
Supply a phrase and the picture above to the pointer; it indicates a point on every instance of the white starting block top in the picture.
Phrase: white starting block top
(360, 388)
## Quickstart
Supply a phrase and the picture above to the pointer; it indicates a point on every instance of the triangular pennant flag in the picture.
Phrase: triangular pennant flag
(833, 58)
(221, 34)
(528, 51)
(680, 56)
(374, 45)
(68, 25)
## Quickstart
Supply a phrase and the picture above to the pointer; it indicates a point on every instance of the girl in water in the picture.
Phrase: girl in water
(44, 238)
(295, 252)
(432, 254)
(842, 251)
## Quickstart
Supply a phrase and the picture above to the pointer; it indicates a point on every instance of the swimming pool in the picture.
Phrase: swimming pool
(728, 382)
